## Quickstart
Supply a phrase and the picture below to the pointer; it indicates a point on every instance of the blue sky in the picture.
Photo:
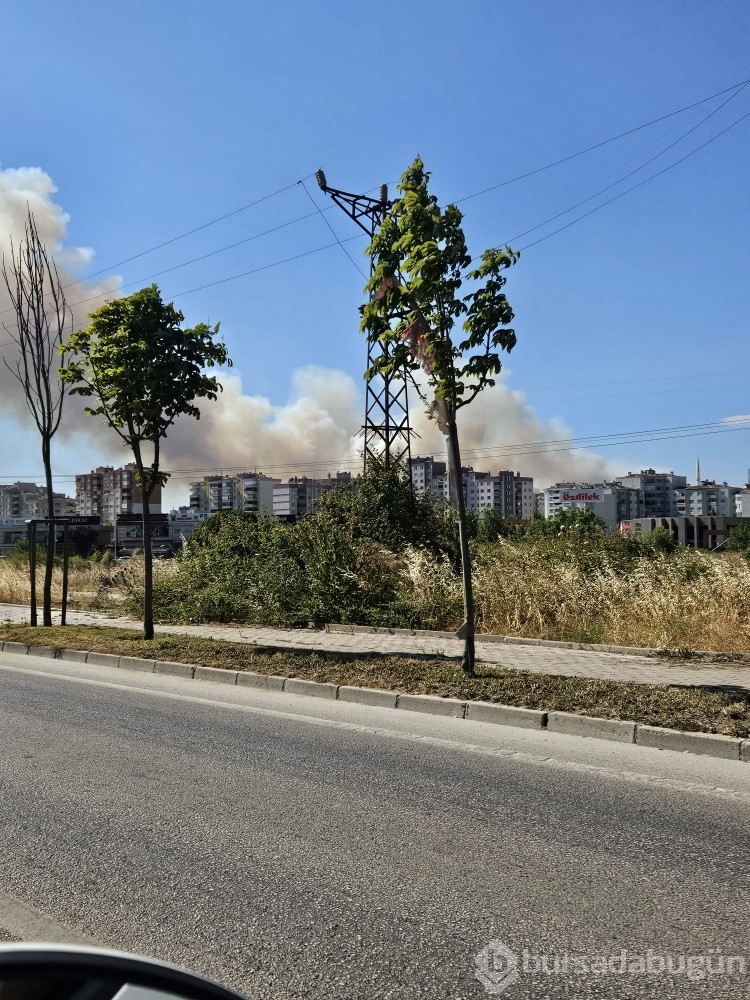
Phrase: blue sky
(153, 119)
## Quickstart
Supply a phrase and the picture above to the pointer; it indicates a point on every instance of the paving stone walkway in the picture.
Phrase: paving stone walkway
(518, 656)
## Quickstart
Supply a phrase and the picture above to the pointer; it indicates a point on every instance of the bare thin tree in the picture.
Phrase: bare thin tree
(41, 317)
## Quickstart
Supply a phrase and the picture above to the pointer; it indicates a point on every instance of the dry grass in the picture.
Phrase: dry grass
(687, 601)
(91, 586)
(688, 709)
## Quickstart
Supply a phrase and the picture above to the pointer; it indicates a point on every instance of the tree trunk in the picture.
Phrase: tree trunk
(148, 567)
(467, 629)
(50, 558)
(146, 487)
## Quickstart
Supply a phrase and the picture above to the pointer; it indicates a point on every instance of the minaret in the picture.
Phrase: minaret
(697, 470)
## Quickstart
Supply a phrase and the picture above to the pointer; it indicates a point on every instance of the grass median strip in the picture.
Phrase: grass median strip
(685, 708)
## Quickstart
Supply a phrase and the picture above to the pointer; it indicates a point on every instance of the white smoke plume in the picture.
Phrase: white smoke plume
(499, 430)
(31, 188)
(311, 434)
(315, 432)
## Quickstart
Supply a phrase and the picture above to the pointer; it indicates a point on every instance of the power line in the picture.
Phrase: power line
(634, 187)
(736, 88)
(604, 142)
(265, 267)
(613, 440)
(691, 389)
(504, 183)
(204, 256)
(175, 239)
(736, 18)
(333, 232)
(189, 232)
(631, 172)
(713, 34)
(220, 281)
(638, 381)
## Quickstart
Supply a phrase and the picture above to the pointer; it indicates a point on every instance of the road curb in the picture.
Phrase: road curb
(174, 669)
(431, 704)
(377, 697)
(505, 715)
(15, 647)
(586, 725)
(215, 674)
(103, 659)
(703, 743)
(561, 723)
(314, 689)
(266, 682)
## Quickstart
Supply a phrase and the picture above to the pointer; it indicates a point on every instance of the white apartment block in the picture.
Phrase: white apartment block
(299, 496)
(424, 471)
(256, 493)
(509, 494)
(214, 493)
(581, 496)
(707, 499)
(742, 502)
(525, 497)
(659, 491)
(27, 500)
(108, 493)
(251, 492)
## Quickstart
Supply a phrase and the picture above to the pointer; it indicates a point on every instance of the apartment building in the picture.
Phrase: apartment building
(251, 492)
(742, 502)
(214, 493)
(707, 499)
(609, 501)
(509, 494)
(300, 494)
(525, 497)
(658, 489)
(23, 501)
(424, 472)
(109, 493)
(255, 493)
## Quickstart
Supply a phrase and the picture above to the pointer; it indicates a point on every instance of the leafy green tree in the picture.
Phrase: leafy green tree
(491, 526)
(653, 543)
(739, 539)
(383, 506)
(420, 263)
(577, 521)
(143, 370)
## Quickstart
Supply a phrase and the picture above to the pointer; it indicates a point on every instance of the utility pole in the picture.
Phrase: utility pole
(387, 434)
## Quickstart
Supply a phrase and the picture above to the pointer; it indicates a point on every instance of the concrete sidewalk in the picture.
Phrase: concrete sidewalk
(517, 656)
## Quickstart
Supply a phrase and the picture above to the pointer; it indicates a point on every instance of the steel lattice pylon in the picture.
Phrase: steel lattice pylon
(386, 430)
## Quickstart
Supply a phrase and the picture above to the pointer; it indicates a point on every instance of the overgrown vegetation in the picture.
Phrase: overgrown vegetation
(374, 554)
(688, 709)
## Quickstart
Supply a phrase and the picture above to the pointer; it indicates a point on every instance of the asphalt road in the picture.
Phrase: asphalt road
(294, 848)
